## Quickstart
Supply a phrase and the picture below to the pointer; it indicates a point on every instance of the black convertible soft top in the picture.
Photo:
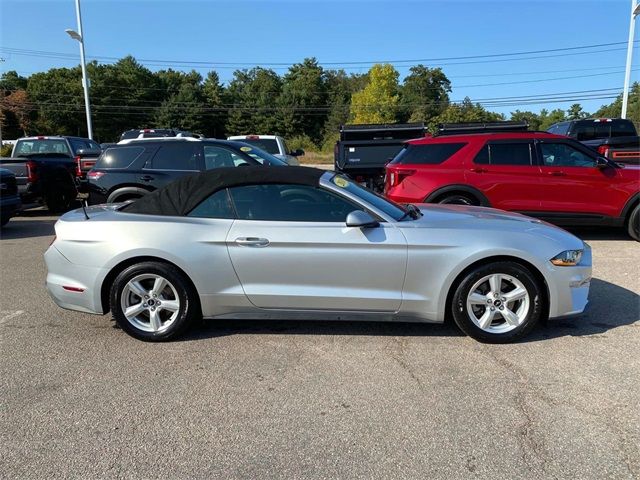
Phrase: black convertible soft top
(180, 197)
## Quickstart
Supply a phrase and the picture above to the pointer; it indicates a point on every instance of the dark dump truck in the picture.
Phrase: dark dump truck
(363, 150)
(613, 138)
(51, 170)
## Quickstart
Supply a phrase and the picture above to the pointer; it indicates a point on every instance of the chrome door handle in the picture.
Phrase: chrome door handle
(252, 241)
(146, 178)
(557, 173)
(479, 170)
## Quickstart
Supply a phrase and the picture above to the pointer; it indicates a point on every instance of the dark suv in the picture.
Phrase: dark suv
(134, 168)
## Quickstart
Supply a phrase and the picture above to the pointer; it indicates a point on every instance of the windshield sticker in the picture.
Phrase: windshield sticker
(245, 149)
(341, 182)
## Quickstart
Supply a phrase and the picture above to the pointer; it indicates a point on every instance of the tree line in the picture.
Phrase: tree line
(307, 104)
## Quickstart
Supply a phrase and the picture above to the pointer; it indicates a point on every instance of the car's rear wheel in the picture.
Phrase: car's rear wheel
(498, 303)
(60, 199)
(458, 199)
(153, 301)
(633, 226)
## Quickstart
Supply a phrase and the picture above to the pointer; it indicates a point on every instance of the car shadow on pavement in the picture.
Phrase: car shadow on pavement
(16, 229)
(610, 307)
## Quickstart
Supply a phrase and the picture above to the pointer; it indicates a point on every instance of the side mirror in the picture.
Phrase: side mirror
(361, 219)
(88, 152)
(602, 162)
(297, 153)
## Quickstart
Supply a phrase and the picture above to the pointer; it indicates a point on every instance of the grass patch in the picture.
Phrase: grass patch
(316, 158)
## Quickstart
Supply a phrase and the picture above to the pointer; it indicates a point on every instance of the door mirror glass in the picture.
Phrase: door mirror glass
(361, 219)
(297, 153)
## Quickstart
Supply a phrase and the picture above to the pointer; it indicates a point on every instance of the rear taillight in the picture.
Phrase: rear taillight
(395, 177)
(603, 150)
(32, 174)
(78, 166)
(94, 175)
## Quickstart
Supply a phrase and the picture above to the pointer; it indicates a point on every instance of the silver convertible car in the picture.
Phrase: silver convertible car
(300, 243)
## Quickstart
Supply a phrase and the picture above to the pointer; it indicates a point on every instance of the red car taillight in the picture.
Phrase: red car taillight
(395, 177)
(78, 167)
(32, 174)
(603, 150)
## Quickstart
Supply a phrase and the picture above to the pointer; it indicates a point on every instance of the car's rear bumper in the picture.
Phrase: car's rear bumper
(9, 206)
(71, 286)
(569, 287)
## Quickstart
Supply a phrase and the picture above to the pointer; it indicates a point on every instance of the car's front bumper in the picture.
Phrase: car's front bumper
(569, 287)
(71, 286)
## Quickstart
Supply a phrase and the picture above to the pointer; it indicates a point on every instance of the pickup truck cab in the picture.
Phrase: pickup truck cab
(51, 169)
(272, 144)
(613, 138)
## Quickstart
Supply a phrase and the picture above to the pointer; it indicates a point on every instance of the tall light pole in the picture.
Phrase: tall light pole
(635, 10)
(85, 81)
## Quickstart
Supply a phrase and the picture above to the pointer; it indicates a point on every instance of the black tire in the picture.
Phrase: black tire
(60, 200)
(187, 312)
(4, 220)
(509, 270)
(633, 225)
(458, 199)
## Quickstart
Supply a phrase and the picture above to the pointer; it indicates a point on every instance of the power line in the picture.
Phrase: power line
(496, 57)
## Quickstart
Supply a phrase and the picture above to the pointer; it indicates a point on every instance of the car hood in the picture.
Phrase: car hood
(482, 219)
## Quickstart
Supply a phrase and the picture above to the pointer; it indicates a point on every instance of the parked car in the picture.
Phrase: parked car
(614, 138)
(51, 169)
(363, 150)
(9, 199)
(133, 168)
(302, 243)
(156, 133)
(272, 144)
(539, 174)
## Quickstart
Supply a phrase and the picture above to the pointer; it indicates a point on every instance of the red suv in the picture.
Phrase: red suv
(536, 173)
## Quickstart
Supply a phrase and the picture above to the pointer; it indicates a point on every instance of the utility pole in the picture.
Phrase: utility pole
(635, 10)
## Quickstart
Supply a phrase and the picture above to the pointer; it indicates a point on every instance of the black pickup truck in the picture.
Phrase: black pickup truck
(613, 138)
(363, 150)
(51, 169)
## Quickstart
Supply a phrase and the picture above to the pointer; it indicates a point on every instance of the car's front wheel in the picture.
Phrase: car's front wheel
(153, 301)
(499, 302)
(633, 226)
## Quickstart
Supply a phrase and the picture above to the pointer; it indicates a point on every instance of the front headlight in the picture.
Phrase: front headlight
(568, 258)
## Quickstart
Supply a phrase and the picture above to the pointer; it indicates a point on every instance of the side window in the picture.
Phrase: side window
(94, 145)
(562, 128)
(564, 155)
(518, 154)
(292, 203)
(429, 154)
(176, 156)
(286, 148)
(79, 145)
(217, 205)
(118, 157)
(217, 157)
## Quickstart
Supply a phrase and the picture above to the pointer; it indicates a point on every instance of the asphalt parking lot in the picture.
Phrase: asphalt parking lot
(250, 399)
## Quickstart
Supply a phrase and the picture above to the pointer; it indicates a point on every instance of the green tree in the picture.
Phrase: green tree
(253, 96)
(549, 118)
(424, 94)
(575, 112)
(377, 102)
(614, 109)
(12, 81)
(184, 110)
(533, 119)
(214, 97)
(304, 95)
(467, 111)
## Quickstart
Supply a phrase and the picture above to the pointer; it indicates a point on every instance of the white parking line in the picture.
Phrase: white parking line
(8, 315)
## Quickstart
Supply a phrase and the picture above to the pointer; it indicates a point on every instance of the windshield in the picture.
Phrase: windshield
(269, 145)
(262, 157)
(24, 148)
(385, 205)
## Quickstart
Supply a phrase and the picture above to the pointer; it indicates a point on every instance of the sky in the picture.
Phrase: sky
(226, 35)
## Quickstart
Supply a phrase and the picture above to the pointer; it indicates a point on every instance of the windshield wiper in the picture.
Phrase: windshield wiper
(412, 211)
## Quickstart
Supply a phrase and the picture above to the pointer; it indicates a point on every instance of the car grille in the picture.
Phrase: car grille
(8, 186)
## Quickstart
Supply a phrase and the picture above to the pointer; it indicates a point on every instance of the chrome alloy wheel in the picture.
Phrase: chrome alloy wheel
(150, 302)
(498, 303)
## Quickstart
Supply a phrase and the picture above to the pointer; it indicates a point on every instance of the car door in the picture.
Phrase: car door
(508, 175)
(573, 183)
(291, 249)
